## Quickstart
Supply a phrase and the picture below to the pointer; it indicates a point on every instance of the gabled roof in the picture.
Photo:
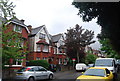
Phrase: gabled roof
(36, 30)
(56, 38)
(18, 22)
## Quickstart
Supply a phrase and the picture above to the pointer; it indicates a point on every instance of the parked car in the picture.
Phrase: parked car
(96, 74)
(80, 66)
(52, 67)
(118, 63)
(90, 65)
(109, 63)
(33, 73)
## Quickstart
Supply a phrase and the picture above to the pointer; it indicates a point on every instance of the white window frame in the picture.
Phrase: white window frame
(16, 62)
(18, 27)
(45, 48)
(38, 47)
(37, 58)
(42, 36)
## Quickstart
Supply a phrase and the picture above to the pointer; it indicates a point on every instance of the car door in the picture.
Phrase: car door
(38, 73)
(44, 73)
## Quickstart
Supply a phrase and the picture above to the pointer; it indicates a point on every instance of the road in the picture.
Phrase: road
(66, 76)
(61, 76)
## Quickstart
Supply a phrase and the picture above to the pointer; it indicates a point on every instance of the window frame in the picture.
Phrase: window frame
(18, 28)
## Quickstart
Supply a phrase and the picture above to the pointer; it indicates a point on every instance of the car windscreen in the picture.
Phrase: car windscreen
(95, 72)
(104, 62)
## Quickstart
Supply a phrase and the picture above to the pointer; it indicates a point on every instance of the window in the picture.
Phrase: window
(107, 72)
(60, 61)
(42, 69)
(36, 69)
(45, 49)
(31, 69)
(42, 36)
(60, 50)
(38, 47)
(17, 28)
(37, 58)
(50, 49)
(95, 72)
(17, 62)
(44, 58)
(21, 43)
(55, 50)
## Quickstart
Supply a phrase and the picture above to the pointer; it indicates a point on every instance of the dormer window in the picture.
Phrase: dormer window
(17, 28)
(41, 36)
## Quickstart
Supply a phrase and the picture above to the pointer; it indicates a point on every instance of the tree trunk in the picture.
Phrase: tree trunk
(78, 60)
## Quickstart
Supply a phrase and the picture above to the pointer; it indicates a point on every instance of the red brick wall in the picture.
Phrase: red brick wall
(24, 34)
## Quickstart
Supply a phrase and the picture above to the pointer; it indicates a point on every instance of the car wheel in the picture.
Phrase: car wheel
(51, 76)
(31, 79)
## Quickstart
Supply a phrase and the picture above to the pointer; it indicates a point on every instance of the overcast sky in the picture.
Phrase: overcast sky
(57, 15)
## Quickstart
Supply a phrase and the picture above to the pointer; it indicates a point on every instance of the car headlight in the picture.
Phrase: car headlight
(77, 80)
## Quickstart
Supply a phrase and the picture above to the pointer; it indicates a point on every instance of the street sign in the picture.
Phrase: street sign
(73, 59)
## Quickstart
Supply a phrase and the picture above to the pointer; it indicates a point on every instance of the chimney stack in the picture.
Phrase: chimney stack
(22, 21)
(29, 27)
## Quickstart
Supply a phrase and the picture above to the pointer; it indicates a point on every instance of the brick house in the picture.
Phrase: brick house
(20, 28)
(43, 46)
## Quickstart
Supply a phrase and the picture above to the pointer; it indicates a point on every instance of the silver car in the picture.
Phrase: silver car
(33, 73)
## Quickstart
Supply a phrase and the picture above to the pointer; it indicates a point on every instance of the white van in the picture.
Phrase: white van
(109, 63)
(80, 66)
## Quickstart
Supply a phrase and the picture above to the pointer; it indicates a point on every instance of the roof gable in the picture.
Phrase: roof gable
(34, 31)
(56, 38)
(18, 22)
(38, 30)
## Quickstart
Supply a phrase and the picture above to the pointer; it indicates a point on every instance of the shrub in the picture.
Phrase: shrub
(42, 63)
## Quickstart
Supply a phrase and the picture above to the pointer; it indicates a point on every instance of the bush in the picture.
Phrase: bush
(42, 63)
(90, 58)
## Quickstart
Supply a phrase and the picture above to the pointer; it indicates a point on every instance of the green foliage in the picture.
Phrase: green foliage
(107, 48)
(107, 15)
(11, 41)
(43, 63)
(90, 58)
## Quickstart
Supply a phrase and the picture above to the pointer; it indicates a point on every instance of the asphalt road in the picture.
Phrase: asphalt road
(70, 75)
(66, 76)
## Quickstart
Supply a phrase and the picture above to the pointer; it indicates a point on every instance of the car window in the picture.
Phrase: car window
(36, 69)
(95, 72)
(42, 69)
(22, 69)
(107, 71)
(31, 69)
(104, 62)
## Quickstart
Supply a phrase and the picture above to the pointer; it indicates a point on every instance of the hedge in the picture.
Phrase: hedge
(42, 63)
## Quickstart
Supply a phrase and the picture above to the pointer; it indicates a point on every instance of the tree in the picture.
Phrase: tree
(90, 58)
(107, 49)
(11, 41)
(76, 40)
(107, 15)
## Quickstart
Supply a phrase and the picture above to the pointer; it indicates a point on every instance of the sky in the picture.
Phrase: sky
(56, 15)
